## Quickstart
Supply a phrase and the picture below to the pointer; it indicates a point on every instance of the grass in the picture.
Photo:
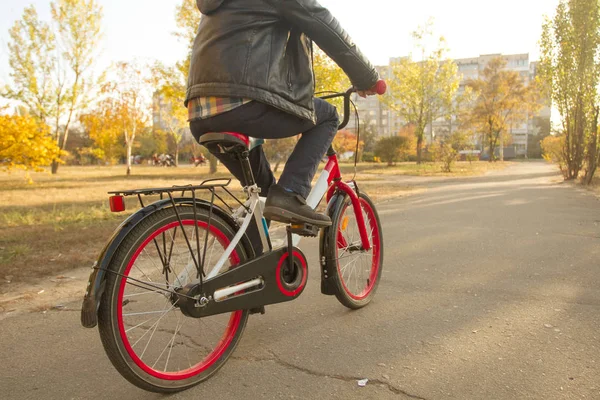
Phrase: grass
(61, 222)
(461, 168)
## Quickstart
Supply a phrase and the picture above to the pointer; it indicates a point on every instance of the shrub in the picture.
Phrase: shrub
(392, 149)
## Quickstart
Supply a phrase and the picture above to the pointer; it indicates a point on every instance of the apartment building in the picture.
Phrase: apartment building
(387, 123)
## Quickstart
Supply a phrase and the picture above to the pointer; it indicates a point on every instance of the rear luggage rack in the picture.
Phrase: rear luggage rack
(210, 184)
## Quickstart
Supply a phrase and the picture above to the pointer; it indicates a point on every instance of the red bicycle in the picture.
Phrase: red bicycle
(172, 290)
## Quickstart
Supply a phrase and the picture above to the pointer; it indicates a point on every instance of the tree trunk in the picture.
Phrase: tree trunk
(575, 161)
(177, 156)
(501, 148)
(54, 167)
(419, 148)
(593, 150)
(491, 141)
(129, 158)
(277, 165)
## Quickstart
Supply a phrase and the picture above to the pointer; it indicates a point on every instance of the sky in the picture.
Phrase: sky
(142, 29)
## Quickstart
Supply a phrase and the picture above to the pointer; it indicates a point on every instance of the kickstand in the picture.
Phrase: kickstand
(290, 249)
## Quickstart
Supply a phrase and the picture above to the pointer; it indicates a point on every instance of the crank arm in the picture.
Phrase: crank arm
(264, 280)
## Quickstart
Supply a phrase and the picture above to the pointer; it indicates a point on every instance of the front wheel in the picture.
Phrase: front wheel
(147, 338)
(355, 272)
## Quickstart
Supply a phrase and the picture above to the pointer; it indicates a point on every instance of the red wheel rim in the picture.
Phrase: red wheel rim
(227, 337)
(375, 246)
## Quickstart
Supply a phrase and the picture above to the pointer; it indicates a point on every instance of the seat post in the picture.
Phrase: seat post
(244, 157)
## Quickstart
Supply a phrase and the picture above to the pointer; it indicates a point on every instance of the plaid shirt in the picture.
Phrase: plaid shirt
(205, 107)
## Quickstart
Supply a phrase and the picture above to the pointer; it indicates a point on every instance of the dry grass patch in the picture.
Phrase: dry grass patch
(462, 168)
(62, 222)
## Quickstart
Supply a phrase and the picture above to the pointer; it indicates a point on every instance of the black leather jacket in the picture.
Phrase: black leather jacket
(260, 49)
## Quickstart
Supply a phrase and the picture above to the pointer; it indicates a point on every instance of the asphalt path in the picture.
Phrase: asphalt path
(490, 290)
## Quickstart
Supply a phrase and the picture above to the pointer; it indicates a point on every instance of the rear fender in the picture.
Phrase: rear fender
(97, 280)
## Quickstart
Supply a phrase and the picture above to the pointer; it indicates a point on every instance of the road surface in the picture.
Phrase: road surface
(490, 290)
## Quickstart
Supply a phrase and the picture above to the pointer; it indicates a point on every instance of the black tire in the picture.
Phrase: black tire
(124, 305)
(354, 292)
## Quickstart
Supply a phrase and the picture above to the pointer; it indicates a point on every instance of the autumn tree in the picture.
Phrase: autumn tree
(345, 142)
(124, 97)
(553, 150)
(25, 143)
(104, 127)
(446, 149)
(593, 147)
(502, 100)
(422, 91)
(170, 84)
(151, 142)
(408, 132)
(570, 69)
(52, 64)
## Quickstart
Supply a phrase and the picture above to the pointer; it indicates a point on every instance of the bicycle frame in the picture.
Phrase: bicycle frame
(328, 183)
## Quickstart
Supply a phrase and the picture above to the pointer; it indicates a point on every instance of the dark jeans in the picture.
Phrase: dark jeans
(262, 121)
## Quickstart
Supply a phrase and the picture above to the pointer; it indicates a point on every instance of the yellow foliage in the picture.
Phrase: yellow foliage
(105, 128)
(345, 141)
(25, 144)
(329, 77)
(552, 149)
(408, 131)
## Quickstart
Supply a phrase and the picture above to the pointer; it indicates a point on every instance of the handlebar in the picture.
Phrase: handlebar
(379, 88)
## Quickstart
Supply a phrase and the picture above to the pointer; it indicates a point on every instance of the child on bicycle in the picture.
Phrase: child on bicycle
(251, 73)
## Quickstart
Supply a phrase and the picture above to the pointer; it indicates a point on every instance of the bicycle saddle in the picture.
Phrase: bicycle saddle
(224, 142)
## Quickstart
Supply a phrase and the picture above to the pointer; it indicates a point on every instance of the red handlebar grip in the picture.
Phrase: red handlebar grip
(380, 87)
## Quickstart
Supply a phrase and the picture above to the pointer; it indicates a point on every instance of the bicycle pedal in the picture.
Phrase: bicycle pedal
(305, 229)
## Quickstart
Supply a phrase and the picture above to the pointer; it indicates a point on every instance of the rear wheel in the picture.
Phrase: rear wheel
(355, 271)
(147, 338)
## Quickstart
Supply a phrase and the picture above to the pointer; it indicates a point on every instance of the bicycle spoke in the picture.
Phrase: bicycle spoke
(152, 335)
(152, 261)
(144, 274)
(138, 325)
(155, 325)
(171, 245)
(143, 293)
(143, 313)
(169, 346)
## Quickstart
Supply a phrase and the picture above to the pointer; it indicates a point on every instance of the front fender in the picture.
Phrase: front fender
(96, 282)
(327, 287)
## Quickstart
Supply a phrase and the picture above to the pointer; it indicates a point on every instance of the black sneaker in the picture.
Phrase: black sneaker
(289, 207)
